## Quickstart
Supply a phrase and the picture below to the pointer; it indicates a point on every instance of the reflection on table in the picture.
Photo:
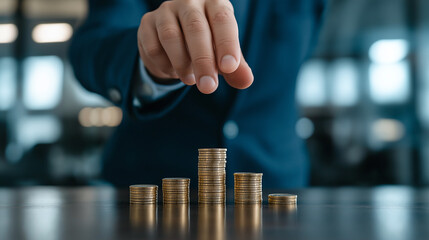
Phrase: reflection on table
(248, 221)
(385, 213)
(211, 221)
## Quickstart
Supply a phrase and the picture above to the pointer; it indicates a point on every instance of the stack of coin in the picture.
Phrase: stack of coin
(175, 190)
(143, 194)
(282, 199)
(212, 175)
(248, 187)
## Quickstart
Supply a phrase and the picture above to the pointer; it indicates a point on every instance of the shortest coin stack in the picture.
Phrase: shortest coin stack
(175, 190)
(143, 194)
(248, 187)
(282, 199)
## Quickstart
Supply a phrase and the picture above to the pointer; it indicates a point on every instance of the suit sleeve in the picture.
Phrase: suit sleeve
(104, 55)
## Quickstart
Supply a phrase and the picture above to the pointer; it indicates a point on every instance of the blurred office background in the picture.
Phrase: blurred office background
(362, 96)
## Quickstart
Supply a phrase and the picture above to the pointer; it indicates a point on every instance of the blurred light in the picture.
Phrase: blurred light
(52, 32)
(8, 33)
(43, 80)
(84, 117)
(38, 129)
(393, 220)
(304, 128)
(388, 130)
(8, 7)
(388, 51)
(311, 84)
(389, 83)
(7, 83)
(95, 117)
(112, 116)
(344, 83)
(42, 221)
(65, 9)
(100, 117)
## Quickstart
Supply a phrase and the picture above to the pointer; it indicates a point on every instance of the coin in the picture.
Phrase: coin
(175, 190)
(212, 150)
(247, 187)
(211, 175)
(282, 198)
(143, 194)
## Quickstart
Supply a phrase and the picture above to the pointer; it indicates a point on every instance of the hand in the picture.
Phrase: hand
(194, 40)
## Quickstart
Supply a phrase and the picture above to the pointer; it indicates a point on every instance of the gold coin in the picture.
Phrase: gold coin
(212, 158)
(248, 180)
(175, 185)
(247, 174)
(215, 191)
(212, 170)
(249, 185)
(248, 202)
(287, 195)
(143, 186)
(212, 166)
(211, 195)
(214, 154)
(176, 179)
(175, 199)
(211, 149)
(282, 198)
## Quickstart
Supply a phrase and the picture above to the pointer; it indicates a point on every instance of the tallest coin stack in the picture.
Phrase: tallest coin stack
(211, 175)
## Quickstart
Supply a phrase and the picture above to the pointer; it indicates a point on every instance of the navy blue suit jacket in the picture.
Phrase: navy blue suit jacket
(161, 139)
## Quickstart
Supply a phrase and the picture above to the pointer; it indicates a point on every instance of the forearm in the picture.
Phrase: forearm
(104, 53)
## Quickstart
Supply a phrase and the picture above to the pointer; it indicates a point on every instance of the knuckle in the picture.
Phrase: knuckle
(165, 4)
(167, 33)
(225, 43)
(204, 60)
(189, 2)
(222, 16)
(222, 4)
(195, 25)
(154, 51)
(145, 18)
(194, 22)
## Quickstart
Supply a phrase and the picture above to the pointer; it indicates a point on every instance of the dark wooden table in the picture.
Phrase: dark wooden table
(47, 213)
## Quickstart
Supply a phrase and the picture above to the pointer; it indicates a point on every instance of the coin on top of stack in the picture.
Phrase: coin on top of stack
(211, 175)
(248, 187)
(282, 198)
(143, 194)
(175, 190)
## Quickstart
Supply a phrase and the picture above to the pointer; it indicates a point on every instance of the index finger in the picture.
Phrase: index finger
(225, 34)
(200, 47)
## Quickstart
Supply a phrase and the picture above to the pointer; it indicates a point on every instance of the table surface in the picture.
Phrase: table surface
(322, 213)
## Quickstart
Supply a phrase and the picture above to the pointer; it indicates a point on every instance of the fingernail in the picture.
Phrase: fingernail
(228, 64)
(207, 84)
(189, 79)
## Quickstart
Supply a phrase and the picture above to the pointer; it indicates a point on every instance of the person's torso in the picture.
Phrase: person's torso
(257, 125)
